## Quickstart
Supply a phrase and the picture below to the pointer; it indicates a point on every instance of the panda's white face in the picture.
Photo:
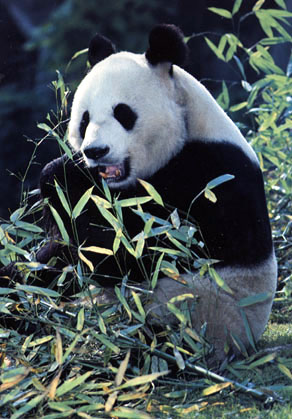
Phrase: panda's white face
(126, 119)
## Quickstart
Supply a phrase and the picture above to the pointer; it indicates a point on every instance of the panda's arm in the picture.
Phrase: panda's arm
(69, 176)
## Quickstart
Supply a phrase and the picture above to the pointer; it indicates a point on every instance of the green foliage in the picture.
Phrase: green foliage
(102, 359)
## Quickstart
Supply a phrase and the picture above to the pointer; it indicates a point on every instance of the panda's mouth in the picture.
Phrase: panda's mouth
(113, 173)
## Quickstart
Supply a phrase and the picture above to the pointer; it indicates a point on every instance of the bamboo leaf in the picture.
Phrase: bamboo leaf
(216, 388)
(131, 202)
(96, 249)
(152, 192)
(236, 7)
(122, 369)
(58, 348)
(17, 250)
(285, 370)
(156, 272)
(142, 380)
(28, 227)
(221, 12)
(68, 385)
(62, 198)
(254, 299)
(138, 304)
(37, 290)
(85, 260)
(219, 180)
(31, 404)
(219, 281)
(101, 202)
(80, 319)
(105, 341)
(210, 195)
(81, 203)
(60, 225)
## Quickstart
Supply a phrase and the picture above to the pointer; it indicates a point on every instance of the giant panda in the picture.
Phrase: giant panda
(141, 116)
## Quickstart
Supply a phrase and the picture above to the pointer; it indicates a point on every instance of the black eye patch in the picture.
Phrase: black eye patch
(84, 123)
(125, 115)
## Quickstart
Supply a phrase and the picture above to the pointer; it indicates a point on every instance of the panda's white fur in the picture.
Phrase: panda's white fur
(172, 111)
(177, 108)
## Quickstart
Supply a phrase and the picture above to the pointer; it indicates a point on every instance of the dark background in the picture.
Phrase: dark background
(37, 37)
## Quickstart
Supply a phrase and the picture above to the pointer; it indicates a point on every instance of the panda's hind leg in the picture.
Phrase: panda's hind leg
(225, 319)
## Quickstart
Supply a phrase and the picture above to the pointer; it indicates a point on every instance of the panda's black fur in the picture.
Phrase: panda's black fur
(234, 243)
(235, 229)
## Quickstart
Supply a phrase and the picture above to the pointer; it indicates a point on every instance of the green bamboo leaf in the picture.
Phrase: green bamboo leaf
(213, 47)
(86, 260)
(6, 291)
(216, 388)
(40, 341)
(152, 192)
(139, 247)
(177, 312)
(210, 195)
(100, 202)
(29, 405)
(166, 250)
(219, 180)
(179, 359)
(236, 7)
(238, 107)
(125, 412)
(105, 341)
(106, 190)
(262, 361)
(16, 215)
(17, 250)
(139, 304)
(68, 385)
(122, 369)
(80, 319)
(248, 331)
(113, 221)
(219, 281)
(123, 301)
(28, 227)
(128, 246)
(281, 3)
(221, 12)
(47, 292)
(96, 249)
(178, 244)
(258, 5)
(137, 381)
(60, 225)
(285, 370)
(254, 299)
(81, 203)
(131, 202)
(156, 272)
(62, 198)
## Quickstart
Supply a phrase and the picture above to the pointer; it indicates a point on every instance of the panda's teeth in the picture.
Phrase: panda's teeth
(110, 172)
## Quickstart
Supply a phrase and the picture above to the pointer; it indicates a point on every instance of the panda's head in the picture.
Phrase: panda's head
(133, 112)
(127, 119)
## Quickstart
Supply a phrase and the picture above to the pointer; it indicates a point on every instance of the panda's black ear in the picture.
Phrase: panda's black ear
(99, 48)
(166, 44)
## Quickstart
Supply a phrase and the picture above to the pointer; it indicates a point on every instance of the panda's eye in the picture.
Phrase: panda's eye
(84, 123)
(125, 115)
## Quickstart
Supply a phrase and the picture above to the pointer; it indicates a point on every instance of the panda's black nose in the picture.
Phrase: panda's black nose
(96, 153)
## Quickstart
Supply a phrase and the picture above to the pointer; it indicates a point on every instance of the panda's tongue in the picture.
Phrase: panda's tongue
(113, 171)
